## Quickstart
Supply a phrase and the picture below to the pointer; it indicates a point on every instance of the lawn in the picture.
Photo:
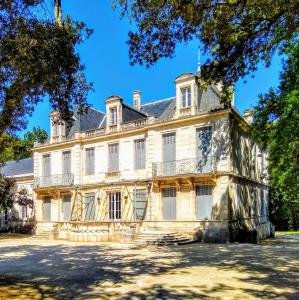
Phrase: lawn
(287, 232)
(48, 269)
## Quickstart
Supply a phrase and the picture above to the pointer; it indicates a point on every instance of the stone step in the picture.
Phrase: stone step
(161, 238)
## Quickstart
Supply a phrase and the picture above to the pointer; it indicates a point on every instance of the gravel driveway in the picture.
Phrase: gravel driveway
(48, 269)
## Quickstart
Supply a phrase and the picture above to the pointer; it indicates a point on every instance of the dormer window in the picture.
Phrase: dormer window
(113, 116)
(55, 128)
(186, 97)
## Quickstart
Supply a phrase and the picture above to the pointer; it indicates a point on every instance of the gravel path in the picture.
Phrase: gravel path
(48, 269)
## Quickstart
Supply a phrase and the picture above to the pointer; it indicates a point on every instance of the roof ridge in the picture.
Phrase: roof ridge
(97, 110)
(158, 101)
(135, 109)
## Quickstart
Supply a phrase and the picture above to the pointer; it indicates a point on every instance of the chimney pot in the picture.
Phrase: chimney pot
(136, 99)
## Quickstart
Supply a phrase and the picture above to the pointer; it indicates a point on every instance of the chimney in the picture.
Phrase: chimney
(136, 99)
(248, 116)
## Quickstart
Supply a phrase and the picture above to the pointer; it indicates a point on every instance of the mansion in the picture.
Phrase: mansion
(184, 164)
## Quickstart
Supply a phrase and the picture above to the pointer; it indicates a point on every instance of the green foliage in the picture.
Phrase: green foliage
(276, 122)
(37, 60)
(6, 193)
(236, 33)
(14, 148)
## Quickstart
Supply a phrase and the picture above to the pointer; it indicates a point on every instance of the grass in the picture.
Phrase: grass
(287, 232)
(9, 236)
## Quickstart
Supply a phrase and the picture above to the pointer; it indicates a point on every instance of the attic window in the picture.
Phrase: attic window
(186, 96)
(113, 116)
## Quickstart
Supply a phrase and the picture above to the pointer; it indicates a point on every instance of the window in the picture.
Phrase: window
(90, 210)
(113, 116)
(24, 212)
(139, 147)
(66, 162)
(113, 161)
(55, 128)
(115, 206)
(186, 97)
(204, 202)
(140, 203)
(47, 209)
(89, 161)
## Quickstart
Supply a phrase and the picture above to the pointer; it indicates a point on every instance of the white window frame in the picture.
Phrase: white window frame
(186, 97)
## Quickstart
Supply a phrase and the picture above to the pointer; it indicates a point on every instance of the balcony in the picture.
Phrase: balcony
(54, 180)
(203, 165)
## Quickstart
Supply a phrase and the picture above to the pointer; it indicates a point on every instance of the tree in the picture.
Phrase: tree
(18, 148)
(276, 122)
(38, 60)
(237, 34)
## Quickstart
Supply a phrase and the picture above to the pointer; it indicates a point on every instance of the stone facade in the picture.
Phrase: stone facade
(181, 164)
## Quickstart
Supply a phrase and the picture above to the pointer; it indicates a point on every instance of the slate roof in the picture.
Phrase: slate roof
(161, 110)
(91, 119)
(17, 167)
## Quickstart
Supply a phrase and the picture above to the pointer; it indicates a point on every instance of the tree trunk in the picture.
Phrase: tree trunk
(58, 12)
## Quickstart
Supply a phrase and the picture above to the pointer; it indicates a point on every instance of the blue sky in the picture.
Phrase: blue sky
(105, 56)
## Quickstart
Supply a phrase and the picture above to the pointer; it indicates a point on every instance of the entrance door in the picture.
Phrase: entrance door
(115, 206)
(204, 150)
(204, 202)
(47, 209)
(169, 154)
(66, 208)
(169, 203)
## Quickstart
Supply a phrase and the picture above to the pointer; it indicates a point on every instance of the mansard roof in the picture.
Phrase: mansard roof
(161, 110)
(17, 167)
(88, 120)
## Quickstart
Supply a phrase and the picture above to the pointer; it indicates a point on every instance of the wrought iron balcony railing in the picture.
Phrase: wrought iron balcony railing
(202, 165)
(54, 180)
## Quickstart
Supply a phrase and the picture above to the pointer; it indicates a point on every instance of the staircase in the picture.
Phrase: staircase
(42, 234)
(161, 238)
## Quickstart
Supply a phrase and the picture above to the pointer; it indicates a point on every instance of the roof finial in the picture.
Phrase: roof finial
(198, 61)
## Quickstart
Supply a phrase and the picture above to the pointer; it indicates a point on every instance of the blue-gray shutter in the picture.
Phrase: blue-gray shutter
(90, 208)
(139, 146)
(66, 161)
(113, 158)
(140, 203)
(67, 208)
(169, 154)
(169, 203)
(115, 206)
(46, 179)
(204, 202)
(89, 161)
(47, 209)
(204, 150)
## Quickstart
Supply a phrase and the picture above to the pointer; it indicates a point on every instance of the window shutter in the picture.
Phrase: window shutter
(90, 207)
(66, 162)
(204, 202)
(204, 149)
(169, 203)
(113, 158)
(89, 161)
(139, 154)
